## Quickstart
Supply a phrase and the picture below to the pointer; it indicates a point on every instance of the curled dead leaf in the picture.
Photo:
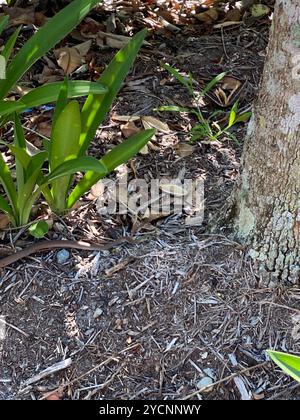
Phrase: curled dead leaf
(173, 189)
(4, 221)
(152, 122)
(70, 59)
(208, 17)
(129, 129)
(184, 149)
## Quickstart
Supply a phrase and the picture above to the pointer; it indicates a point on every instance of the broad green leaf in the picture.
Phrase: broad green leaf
(243, 117)
(44, 39)
(3, 23)
(119, 155)
(126, 150)
(8, 185)
(9, 46)
(21, 155)
(31, 166)
(50, 93)
(96, 107)
(62, 102)
(287, 362)
(39, 229)
(19, 141)
(64, 143)
(64, 146)
(212, 83)
(232, 115)
(81, 164)
(4, 206)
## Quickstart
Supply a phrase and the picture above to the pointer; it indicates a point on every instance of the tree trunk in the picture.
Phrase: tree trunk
(267, 197)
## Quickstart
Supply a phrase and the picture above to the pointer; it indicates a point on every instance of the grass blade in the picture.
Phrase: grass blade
(10, 44)
(185, 81)
(212, 83)
(3, 23)
(8, 185)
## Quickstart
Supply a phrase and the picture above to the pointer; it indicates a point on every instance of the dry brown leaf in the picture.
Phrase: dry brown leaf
(208, 17)
(233, 15)
(111, 40)
(125, 118)
(49, 75)
(144, 150)
(184, 149)
(225, 24)
(44, 128)
(19, 16)
(152, 122)
(89, 28)
(53, 397)
(129, 129)
(173, 189)
(97, 190)
(230, 83)
(70, 59)
(4, 221)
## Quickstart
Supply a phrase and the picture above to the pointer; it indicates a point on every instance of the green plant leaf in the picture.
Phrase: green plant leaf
(185, 81)
(39, 229)
(126, 150)
(243, 117)
(212, 83)
(31, 166)
(64, 143)
(96, 107)
(19, 141)
(9, 46)
(50, 93)
(81, 164)
(3, 23)
(116, 157)
(44, 39)
(174, 108)
(62, 102)
(8, 185)
(4, 206)
(289, 363)
(64, 146)
(232, 115)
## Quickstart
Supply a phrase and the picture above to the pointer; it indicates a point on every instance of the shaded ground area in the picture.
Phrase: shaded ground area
(183, 308)
(178, 310)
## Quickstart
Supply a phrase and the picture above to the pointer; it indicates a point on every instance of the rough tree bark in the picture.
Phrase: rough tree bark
(267, 197)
